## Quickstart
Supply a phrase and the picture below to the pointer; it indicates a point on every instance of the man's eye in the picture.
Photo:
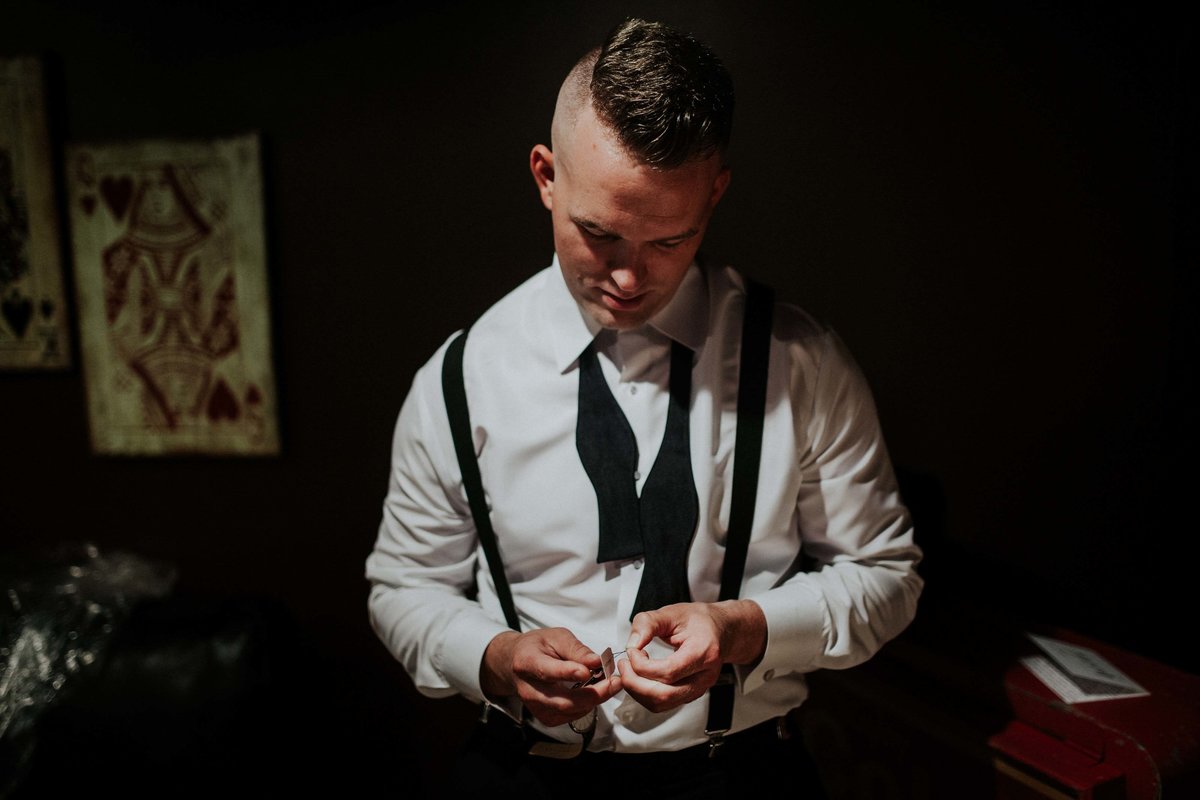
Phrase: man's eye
(597, 235)
(670, 245)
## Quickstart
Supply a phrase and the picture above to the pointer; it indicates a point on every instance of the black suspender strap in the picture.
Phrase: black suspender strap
(460, 428)
(751, 406)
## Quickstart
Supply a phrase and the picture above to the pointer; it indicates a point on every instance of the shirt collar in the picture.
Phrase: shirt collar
(684, 318)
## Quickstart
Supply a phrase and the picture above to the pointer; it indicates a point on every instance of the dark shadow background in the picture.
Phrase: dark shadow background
(993, 203)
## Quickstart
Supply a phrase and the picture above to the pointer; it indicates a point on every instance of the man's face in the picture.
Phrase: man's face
(624, 232)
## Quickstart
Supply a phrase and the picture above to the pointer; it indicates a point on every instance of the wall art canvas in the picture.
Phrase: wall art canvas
(33, 316)
(171, 284)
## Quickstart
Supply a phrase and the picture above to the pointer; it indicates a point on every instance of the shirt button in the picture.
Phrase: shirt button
(637, 564)
(633, 388)
(627, 716)
(637, 475)
(768, 675)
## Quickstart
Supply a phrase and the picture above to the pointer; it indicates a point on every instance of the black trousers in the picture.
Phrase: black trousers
(754, 763)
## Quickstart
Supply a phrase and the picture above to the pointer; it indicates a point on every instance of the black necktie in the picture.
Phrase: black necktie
(659, 525)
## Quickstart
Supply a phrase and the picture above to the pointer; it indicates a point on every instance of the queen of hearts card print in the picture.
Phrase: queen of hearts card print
(171, 283)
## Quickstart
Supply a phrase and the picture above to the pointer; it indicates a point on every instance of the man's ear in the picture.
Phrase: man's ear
(719, 187)
(541, 164)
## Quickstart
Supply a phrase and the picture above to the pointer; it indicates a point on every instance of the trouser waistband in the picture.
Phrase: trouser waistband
(771, 730)
(774, 729)
(751, 763)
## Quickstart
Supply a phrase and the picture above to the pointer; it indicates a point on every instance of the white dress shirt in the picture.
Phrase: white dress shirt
(826, 487)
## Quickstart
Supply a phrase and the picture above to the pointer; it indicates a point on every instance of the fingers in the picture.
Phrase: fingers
(551, 667)
(646, 626)
(552, 655)
(680, 667)
(687, 673)
(671, 669)
(661, 696)
(688, 628)
(675, 624)
(558, 704)
(547, 667)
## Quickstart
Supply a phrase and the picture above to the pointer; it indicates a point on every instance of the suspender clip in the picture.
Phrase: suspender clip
(715, 740)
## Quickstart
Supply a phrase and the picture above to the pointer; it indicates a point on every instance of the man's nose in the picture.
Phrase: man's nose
(628, 269)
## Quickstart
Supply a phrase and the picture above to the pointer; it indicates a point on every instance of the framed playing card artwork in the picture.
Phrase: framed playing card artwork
(33, 317)
(171, 283)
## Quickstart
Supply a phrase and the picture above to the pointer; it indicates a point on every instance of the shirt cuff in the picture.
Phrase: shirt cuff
(460, 656)
(796, 633)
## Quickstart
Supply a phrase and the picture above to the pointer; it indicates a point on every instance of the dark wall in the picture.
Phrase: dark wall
(993, 206)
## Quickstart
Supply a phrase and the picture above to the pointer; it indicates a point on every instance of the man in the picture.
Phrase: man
(626, 324)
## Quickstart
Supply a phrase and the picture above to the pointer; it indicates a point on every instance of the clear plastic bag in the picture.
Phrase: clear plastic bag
(58, 615)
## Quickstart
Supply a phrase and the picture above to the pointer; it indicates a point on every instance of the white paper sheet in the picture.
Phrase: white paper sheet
(1078, 674)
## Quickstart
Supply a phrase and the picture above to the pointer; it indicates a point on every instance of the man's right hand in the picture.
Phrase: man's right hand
(542, 667)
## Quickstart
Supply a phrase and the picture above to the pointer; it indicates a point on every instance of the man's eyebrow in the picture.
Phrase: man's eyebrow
(679, 237)
(584, 222)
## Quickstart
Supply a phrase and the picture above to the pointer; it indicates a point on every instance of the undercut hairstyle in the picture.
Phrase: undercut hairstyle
(665, 95)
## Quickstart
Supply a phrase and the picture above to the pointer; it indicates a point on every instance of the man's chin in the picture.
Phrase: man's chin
(616, 320)
(608, 312)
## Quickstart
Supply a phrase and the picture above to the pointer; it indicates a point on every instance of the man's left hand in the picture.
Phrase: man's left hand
(704, 635)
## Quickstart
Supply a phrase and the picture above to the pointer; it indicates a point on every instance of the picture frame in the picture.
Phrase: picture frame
(34, 319)
(171, 285)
